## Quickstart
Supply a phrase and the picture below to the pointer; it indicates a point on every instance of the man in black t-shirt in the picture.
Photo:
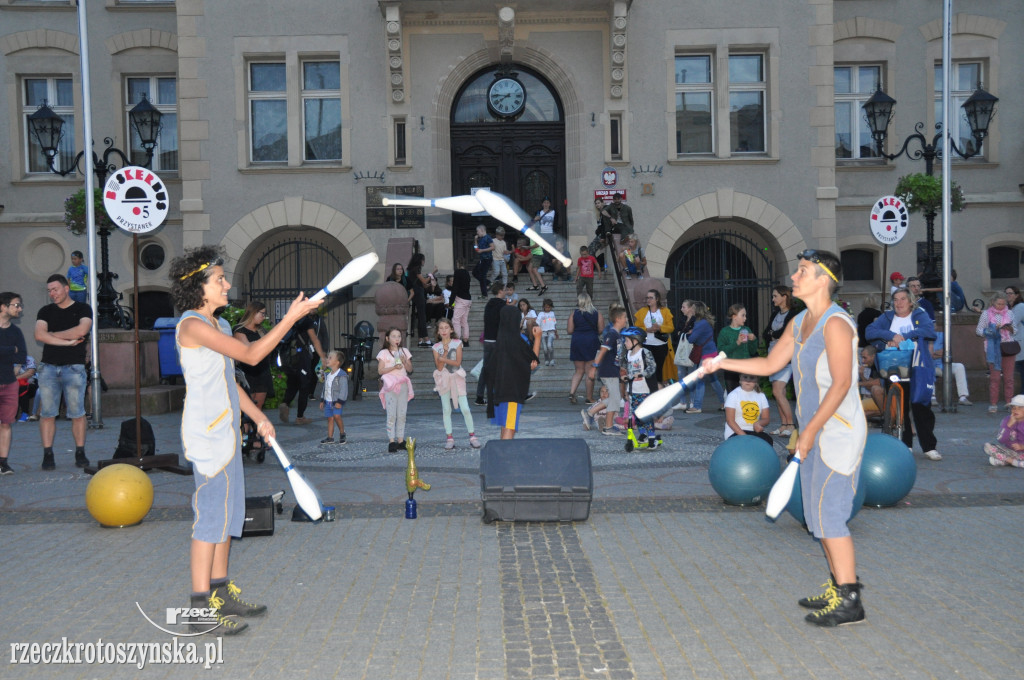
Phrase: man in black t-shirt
(309, 342)
(62, 327)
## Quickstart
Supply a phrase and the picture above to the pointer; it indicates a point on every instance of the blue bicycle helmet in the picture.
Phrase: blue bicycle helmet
(633, 332)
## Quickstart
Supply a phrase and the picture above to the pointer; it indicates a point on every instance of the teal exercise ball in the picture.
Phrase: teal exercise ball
(795, 507)
(888, 470)
(743, 469)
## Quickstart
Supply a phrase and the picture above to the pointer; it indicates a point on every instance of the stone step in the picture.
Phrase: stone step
(546, 380)
(156, 399)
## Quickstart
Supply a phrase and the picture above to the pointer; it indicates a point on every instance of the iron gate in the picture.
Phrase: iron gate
(285, 268)
(720, 270)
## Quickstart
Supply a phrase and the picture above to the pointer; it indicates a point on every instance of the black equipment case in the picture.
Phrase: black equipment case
(259, 516)
(536, 480)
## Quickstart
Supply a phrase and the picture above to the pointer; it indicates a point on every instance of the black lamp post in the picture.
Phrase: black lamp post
(980, 109)
(47, 127)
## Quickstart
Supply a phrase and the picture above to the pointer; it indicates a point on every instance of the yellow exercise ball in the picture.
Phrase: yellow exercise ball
(119, 495)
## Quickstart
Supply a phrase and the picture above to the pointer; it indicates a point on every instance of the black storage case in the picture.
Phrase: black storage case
(536, 480)
(259, 516)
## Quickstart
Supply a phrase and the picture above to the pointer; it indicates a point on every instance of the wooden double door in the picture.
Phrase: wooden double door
(524, 161)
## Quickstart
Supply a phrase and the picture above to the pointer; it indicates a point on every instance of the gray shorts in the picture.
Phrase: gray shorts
(219, 503)
(614, 403)
(827, 496)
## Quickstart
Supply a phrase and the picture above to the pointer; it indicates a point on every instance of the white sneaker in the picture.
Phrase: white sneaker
(993, 409)
(964, 401)
(680, 407)
(995, 462)
(933, 455)
(449, 444)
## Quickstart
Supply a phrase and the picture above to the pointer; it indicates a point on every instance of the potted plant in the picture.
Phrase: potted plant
(923, 193)
(74, 212)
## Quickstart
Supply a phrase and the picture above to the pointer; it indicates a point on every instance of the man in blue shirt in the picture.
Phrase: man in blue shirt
(914, 286)
(484, 248)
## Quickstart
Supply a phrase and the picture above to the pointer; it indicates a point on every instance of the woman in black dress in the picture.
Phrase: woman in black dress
(249, 330)
(417, 283)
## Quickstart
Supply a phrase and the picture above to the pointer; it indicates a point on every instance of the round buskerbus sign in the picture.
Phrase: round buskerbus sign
(889, 220)
(135, 199)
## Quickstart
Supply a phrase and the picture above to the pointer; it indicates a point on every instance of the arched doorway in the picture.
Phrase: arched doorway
(522, 156)
(296, 260)
(721, 269)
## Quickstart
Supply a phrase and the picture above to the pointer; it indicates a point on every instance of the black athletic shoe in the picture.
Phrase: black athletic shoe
(844, 608)
(80, 459)
(229, 624)
(821, 600)
(48, 463)
(5, 469)
(480, 402)
(392, 447)
(530, 396)
(233, 604)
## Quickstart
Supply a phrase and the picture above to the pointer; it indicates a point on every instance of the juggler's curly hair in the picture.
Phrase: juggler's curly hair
(189, 272)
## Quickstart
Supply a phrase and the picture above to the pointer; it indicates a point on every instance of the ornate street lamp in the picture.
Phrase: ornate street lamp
(47, 127)
(979, 109)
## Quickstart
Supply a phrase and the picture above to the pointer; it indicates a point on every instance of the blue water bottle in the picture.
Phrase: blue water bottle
(410, 508)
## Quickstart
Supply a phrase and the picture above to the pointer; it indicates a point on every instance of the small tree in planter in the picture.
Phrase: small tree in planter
(75, 218)
(923, 193)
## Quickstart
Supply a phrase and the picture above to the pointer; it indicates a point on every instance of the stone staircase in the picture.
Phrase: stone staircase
(547, 380)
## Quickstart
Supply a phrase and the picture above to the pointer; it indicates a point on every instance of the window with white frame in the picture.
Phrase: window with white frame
(268, 112)
(854, 85)
(747, 103)
(162, 93)
(58, 94)
(321, 110)
(694, 86)
(967, 77)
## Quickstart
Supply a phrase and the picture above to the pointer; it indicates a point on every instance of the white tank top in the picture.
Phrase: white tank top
(211, 418)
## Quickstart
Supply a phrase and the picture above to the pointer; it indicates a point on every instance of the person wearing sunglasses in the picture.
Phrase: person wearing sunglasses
(821, 345)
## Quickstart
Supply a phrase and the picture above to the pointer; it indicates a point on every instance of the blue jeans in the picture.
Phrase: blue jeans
(71, 381)
(698, 388)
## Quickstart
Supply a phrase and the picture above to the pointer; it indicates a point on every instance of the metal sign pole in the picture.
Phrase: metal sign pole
(90, 214)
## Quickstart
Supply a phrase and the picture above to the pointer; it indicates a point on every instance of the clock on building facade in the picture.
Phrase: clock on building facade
(506, 97)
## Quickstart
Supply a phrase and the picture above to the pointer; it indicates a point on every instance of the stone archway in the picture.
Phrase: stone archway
(724, 203)
(538, 59)
(293, 211)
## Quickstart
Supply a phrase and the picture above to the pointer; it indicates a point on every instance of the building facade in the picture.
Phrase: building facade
(734, 130)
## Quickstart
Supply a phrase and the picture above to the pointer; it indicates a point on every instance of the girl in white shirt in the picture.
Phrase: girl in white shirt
(548, 331)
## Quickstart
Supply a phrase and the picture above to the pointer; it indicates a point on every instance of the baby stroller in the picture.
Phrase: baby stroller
(639, 434)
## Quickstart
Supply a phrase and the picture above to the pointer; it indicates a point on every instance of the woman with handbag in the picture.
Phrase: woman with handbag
(782, 299)
(658, 323)
(907, 321)
(999, 328)
(702, 338)
(1016, 304)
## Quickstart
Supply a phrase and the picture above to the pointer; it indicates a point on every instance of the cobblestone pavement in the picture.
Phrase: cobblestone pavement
(663, 580)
